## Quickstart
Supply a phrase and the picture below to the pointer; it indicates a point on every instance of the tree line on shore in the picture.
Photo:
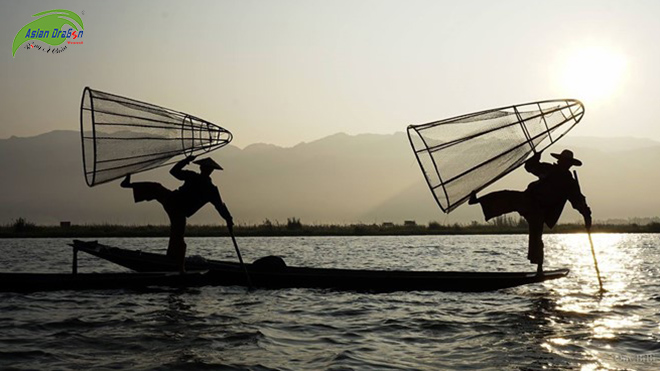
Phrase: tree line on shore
(294, 227)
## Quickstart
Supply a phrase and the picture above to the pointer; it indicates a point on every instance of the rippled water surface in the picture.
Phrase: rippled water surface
(561, 324)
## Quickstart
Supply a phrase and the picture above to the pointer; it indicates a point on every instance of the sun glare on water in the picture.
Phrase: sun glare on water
(594, 74)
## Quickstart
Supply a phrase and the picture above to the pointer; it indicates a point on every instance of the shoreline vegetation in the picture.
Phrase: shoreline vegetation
(22, 228)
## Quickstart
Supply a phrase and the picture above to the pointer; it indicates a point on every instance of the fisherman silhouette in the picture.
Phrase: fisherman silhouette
(196, 191)
(543, 200)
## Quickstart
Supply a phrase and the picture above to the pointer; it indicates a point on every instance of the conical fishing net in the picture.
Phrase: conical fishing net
(123, 136)
(467, 153)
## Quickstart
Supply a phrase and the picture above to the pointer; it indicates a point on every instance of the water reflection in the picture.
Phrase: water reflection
(562, 324)
(598, 326)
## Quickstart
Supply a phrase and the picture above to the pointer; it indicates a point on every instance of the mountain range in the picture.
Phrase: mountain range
(365, 178)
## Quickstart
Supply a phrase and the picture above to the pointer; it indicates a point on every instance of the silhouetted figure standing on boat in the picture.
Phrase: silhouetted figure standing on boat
(196, 191)
(543, 200)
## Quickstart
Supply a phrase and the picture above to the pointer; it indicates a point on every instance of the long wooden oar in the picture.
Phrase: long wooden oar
(240, 258)
(591, 242)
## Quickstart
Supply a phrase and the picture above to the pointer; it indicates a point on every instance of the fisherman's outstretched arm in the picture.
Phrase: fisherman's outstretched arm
(222, 209)
(177, 170)
(579, 203)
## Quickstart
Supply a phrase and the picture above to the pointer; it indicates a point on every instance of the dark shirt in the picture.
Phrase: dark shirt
(555, 186)
(196, 191)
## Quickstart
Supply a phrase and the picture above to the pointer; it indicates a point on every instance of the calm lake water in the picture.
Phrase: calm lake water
(561, 324)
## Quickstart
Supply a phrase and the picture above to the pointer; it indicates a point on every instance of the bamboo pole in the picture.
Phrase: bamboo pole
(591, 242)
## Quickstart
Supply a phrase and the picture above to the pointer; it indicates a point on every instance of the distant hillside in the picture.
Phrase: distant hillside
(338, 179)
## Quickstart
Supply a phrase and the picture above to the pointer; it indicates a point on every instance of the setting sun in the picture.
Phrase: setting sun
(593, 74)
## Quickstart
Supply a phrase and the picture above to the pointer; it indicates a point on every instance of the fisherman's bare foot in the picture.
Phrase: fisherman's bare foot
(539, 269)
(473, 198)
(126, 183)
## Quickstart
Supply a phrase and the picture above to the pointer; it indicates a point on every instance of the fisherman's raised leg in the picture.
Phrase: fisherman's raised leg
(146, 191)
(501, 202)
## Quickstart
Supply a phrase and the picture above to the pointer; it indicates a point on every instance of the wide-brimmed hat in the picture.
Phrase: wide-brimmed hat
(208, 162)
(567, 155)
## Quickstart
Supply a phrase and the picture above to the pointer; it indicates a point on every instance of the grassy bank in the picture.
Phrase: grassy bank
(25, 229)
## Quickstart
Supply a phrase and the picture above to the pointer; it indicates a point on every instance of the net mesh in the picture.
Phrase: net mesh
(467, 153)
(123, 136)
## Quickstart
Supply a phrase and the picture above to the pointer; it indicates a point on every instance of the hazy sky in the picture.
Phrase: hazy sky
(288, 71)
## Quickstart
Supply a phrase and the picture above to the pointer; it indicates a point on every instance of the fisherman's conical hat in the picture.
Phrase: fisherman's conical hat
(567, 155)
(208, 162)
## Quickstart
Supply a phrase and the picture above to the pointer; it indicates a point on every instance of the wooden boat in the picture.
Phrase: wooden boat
(268, 273)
